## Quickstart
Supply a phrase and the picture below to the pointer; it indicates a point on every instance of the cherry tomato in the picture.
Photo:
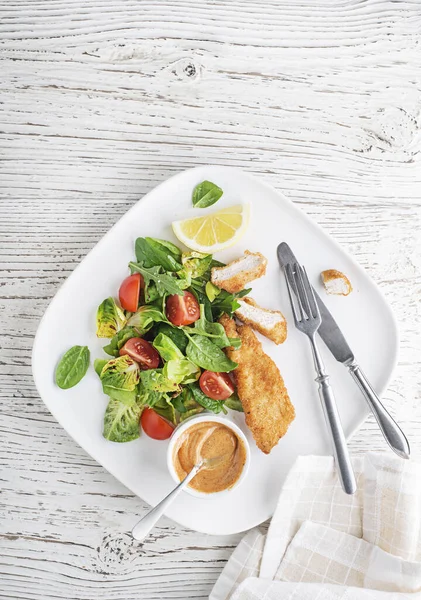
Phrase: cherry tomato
(155, 426)
(182, 310)
(217, 386)
(129, 292)
(142, 352)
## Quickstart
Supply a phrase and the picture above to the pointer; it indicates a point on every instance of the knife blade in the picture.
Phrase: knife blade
(329, 330)
(334, 339)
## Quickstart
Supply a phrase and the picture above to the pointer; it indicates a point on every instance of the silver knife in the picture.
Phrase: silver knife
(334, 339)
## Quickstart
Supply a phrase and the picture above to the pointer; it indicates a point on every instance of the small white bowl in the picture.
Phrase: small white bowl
(207, 418)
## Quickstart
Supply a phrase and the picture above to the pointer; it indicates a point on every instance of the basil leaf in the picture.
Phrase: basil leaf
(203, 353)
(121, 421)
(234, 403)
(164, 283)
(152, 252)
(72, 367)
(215, 406)
(205, 194)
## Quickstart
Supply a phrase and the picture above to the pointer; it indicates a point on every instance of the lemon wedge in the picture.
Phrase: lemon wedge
(214, 231)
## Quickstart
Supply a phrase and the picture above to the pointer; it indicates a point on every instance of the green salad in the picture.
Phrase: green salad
(165, 351)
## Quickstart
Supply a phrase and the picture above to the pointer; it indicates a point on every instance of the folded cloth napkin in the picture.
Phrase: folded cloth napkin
(325, 545)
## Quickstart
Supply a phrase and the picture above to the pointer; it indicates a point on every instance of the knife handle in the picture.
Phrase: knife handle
(340, 449)
(390, 429)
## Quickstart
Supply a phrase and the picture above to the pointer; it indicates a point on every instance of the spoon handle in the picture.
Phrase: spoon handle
(144, 526)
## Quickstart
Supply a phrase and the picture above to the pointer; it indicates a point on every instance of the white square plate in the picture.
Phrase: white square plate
(364, 317)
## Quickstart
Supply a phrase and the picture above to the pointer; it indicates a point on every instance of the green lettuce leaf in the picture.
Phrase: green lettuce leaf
(119, 340)
(121, 421)
(109, 319)
(120, 377)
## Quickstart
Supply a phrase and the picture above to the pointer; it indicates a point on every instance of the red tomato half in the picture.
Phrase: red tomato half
(142, 352)
(129, 292)
(182, 310)
(217, 386)
(155, 426)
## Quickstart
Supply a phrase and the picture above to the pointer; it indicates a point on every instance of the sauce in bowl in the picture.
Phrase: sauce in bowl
(220, 446)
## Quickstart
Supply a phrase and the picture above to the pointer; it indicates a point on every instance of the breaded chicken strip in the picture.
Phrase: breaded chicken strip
(234, 276)
(270, 323)
(336, 282)
(267, 407)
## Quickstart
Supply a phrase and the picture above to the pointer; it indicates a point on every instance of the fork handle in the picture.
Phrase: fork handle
(390, 429)
(340, 449)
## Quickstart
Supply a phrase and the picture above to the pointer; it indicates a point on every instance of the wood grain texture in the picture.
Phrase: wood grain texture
(103, 99)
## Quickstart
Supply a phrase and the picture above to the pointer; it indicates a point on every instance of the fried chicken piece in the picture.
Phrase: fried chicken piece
(270, 323)
(267, 407)
(234, 276)
(336, 282)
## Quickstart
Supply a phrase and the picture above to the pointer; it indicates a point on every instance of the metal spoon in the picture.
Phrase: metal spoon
(142, 529)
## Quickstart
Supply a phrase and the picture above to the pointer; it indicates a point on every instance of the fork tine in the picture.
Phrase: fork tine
(288, 277)
(314, 307)
(302, 292)
(301, 297)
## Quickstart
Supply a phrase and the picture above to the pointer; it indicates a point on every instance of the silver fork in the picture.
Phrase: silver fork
(307, 320)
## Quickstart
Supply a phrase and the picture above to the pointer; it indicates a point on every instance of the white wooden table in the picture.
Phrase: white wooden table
(103, 99)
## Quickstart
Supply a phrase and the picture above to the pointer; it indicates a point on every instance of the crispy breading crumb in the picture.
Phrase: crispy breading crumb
(336, 282)
(270, 323)
(261, 389)
(234, 276)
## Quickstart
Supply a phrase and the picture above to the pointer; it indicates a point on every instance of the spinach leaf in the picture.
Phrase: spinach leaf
(167, 349)
(205, 194)
(234, 403)
(178, 404)
(72, 367)
(235, 342)
(121, 421)
(152, 252)
(216, 406)
(177, 335)
(207, 355)
(99, 364)
(119, 340)
(144, 318)
(109, 319)
(207, 328)
(164, 283)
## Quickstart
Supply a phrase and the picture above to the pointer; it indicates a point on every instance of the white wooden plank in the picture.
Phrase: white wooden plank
(101, 101)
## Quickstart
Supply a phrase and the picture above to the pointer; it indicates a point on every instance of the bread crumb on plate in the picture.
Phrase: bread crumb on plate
(336, 282)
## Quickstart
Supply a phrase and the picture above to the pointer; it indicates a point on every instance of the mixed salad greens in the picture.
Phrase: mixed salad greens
(166, 346)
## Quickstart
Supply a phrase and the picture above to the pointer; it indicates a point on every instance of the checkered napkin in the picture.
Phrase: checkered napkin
(325, 545)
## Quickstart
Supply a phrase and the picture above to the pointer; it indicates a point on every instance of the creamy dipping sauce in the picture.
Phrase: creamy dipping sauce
(210, 440)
